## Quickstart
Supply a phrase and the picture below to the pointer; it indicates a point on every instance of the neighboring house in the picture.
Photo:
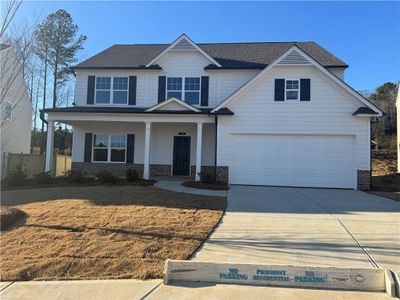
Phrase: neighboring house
(16, 108)
(398, 125)
(275, 114)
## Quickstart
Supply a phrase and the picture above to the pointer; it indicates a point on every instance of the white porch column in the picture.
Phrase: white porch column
(147, 138)
(49, 147)
(198, 149)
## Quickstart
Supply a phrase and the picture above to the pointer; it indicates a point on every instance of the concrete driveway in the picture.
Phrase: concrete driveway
(300, 226)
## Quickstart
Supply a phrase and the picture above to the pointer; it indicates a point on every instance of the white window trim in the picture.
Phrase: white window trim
(298, 95)
(111, 90)
(183, 88)
(109, 148)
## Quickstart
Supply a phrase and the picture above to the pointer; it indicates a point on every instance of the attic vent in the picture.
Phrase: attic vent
(183, 45)
(294, 58)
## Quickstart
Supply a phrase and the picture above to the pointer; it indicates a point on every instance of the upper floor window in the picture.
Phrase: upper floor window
(7, 111)
(292, 89)
(112, 90)
(186, 89)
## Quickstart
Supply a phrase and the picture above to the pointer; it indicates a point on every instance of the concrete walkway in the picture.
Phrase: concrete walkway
(299, 226)
(175, 185)
(79, 289)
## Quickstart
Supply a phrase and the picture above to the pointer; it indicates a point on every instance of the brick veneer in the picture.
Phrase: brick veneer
(222, 172)
(117, 169)
(363, 180)
(160, 170)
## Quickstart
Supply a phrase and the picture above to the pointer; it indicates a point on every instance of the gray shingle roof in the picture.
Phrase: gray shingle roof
(229, 55)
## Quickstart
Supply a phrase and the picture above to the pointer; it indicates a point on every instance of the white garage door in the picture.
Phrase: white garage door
(292, 160)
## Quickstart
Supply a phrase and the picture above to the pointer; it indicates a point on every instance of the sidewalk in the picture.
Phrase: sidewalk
(120, 289)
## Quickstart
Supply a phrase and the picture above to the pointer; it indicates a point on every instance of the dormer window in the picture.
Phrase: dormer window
(111, 90)
(184, 88)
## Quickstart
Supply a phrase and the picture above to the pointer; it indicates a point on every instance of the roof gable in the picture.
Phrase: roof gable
(182, 43)
(305, 56)
(172, 104)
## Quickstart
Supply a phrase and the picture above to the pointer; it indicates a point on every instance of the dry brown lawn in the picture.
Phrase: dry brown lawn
(103, 232)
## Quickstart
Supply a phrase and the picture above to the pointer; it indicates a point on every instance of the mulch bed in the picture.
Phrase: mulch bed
(9, 216)
(32, 183)
(206, 186)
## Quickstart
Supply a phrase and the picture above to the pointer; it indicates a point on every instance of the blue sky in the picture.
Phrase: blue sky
(366, 35)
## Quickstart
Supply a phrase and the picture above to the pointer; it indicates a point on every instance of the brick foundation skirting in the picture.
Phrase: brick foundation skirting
(155, 170)
(160, 170)
(363, 180)
(222, 172)
(117, 169)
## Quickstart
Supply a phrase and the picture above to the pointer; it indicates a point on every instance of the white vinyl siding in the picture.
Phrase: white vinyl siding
(161, 147)
(222, 83)
(330, 113)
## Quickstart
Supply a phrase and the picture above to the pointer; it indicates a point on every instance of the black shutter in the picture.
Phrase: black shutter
(305, 87)
(204, 91)
(90, 89)
(88, 147)
(279, 89)
(132, 90)
(161, 88)
(130, 149)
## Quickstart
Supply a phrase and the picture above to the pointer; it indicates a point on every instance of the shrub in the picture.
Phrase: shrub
(74, 176)
(17, 178)
(43, 178)
(132, 175)
(105, 176)
(207, 177)
(9, 216)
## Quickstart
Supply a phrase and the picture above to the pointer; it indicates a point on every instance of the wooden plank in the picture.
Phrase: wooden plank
(276, 275)
(389, 284)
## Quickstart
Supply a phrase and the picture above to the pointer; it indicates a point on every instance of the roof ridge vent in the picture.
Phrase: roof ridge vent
(294, 58)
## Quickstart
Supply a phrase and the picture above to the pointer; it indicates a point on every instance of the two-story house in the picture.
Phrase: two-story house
(16, 108)
(275, 114)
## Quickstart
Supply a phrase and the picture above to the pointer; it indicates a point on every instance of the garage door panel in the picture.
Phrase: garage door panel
(292, 160)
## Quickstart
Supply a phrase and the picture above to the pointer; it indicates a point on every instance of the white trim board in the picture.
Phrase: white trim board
(179, 39)
(276, 275)
(173, 99)
(264, 73)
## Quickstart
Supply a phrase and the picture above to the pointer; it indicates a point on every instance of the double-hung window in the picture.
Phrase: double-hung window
(292, 89)
(111, 90)
(192, 90)
(186, 89)
(109, 148)
(174, 87)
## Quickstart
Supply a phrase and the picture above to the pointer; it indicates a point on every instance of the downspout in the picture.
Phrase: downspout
(215, 148)
(370, 154)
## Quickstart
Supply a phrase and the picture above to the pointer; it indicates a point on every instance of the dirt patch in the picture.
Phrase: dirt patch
(103, 232)
(385, 180)
(206, 186)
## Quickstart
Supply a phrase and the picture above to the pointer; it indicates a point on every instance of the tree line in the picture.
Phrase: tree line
(45, 52)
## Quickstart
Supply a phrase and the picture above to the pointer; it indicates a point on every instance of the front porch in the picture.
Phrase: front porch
(155, 145)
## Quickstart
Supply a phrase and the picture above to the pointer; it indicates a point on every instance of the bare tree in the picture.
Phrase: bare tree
(9, 10)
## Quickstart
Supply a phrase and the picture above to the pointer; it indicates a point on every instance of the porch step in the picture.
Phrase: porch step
(349, 279)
